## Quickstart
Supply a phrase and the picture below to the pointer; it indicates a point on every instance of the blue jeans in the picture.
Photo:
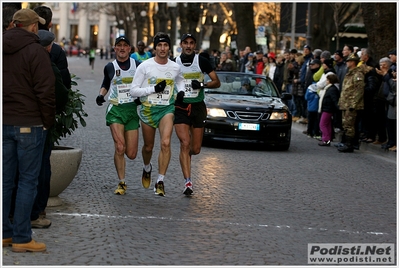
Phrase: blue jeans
(291, 103)
(43, 188)
(22, 150)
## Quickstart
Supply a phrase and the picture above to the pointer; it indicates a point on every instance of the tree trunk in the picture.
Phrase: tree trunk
(323, 26)
(244, 13)
(380, 23)
(161, 19)
(183, 19)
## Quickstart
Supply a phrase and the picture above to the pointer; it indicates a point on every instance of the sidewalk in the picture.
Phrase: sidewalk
(364, 147)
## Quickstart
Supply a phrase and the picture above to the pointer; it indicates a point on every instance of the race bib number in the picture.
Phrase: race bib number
(123, 93)
(162, 98)
(189, 91)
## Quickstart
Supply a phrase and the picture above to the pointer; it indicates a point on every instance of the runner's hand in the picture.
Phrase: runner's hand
(160, 86)
(100, 100)
(137, 101)
(180, 97)
(195, 84)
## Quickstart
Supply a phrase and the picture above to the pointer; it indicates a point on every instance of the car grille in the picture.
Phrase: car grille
(243, 115)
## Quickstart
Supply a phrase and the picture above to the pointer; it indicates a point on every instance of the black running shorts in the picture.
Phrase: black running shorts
(193, 114)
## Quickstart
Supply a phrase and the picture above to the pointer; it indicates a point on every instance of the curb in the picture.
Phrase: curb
(364, 147)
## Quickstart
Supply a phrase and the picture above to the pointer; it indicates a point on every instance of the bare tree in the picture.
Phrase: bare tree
(128, 16)
(161, 18)
(380, 23)
(328, 19)
(342, 14)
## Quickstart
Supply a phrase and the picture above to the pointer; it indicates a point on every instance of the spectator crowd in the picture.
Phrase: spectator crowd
(325, 96)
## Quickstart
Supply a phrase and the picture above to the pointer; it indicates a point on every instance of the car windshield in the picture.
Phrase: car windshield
(243, 84)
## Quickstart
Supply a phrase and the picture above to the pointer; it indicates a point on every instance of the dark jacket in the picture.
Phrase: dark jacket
(330, 100)
(61, 92)
(279, 76)
(58, 56)
(28, 81)
(227, 65)
(341, 70)
(308, 58)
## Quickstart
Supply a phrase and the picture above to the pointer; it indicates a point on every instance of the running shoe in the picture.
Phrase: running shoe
(159, 188)
(188, 188)
(146, 178)
(121, 188)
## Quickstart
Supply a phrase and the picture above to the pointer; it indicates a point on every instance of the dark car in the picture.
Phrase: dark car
(247, 108)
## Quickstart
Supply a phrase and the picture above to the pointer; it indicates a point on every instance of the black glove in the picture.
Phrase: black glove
(195, 84)
(137, 101)
(100, 100)
(179, 97)
(160, 86)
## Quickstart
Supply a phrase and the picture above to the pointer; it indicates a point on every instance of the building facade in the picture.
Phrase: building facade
(81, 25)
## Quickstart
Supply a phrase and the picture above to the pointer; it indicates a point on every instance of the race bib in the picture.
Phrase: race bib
(123, 93)
(189, 91)
(162, 98)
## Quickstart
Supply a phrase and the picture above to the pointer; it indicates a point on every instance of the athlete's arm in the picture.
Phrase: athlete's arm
(206, 67)
(108, 74)
(179, 81)
(135, 89)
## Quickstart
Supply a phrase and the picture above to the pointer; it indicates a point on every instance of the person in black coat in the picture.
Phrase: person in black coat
(57, 54)
(279, 73)
(329, 106)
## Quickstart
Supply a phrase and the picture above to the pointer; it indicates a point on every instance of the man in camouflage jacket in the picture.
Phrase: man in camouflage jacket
(351, 101)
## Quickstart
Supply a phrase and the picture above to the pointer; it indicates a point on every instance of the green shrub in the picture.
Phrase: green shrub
(68, 120)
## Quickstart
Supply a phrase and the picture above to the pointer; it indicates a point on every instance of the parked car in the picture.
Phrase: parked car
(247, 108)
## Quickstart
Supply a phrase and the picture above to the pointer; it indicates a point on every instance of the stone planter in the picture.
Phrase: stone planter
(65, 162)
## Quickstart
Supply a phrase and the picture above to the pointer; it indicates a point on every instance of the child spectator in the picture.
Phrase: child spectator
(312, 99)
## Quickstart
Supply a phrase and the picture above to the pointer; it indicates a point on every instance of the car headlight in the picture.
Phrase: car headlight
(215, 112)
(278, 116)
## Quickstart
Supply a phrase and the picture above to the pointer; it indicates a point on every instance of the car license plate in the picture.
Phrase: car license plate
(248, 126)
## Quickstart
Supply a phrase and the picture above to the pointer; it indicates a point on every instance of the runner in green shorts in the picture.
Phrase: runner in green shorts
(155, 82)
(121, 115)
(152, 115)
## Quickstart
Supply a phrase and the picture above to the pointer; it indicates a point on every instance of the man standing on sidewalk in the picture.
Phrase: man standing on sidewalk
(28, 112)
(121, 115)
(58, 58)
(190, 115)
(38, 214)
(351, 101)
(155, 81)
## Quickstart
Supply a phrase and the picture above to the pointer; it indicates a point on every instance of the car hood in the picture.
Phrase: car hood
(237, 101)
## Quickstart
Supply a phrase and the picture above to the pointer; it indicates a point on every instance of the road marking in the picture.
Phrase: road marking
(205, 221)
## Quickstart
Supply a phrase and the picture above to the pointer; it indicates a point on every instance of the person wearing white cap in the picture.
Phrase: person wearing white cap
(121, 115)
(28, 112)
